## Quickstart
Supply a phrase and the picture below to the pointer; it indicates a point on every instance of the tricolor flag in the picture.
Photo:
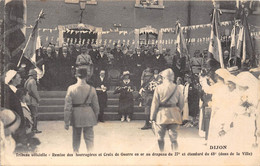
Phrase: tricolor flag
(33, 43)
(180, 41)
(233, 44)
(245, 46)
(215, 43)
(248, 46)
(14, 23)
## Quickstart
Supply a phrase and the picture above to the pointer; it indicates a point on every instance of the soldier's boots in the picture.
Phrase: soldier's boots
(161, 145)
(147, 124)
(34, 129)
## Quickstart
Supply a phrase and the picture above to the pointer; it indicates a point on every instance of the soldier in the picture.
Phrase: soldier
(166, 109)
(34, 99)
(81, 110)
(196, 62)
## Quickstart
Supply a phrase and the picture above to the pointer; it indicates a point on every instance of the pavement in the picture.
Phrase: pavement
(123, 143)
(112, 136)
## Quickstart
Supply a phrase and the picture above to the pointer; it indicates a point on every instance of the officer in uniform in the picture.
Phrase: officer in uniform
(34, 99)
(81, 110)
(167, 97)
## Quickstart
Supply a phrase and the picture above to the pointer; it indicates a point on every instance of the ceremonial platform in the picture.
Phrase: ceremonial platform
(52, 106)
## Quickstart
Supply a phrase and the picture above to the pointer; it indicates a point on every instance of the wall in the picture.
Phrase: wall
(109, 12)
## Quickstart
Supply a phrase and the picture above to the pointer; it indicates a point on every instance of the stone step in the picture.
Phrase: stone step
(58, 108)
(62, 94)
(107, 116)
(60, 101)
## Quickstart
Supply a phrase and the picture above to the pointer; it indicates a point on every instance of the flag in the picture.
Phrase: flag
(14, 22)
(181, 47)
(233, 44)
(245, 47)
(248, 47)
(33, 43)
(215, 43)
(180, 41)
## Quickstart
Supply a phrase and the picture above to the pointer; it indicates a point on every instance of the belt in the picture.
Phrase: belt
(82, 105)
(167, 105)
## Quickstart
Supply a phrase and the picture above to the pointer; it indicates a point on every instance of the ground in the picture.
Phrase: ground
(128, 140)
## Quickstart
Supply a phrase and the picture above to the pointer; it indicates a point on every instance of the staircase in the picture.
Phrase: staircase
(52, 106)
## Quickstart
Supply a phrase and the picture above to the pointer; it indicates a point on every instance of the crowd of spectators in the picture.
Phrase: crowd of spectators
(60, 62)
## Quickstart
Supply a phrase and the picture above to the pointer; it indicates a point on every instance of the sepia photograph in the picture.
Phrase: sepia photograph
(130, 82)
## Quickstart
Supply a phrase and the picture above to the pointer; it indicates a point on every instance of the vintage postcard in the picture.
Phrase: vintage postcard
(130, 82)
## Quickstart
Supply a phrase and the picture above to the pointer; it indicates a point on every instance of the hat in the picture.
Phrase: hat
(126, 73)
(10, 119)
(81, 72)
(168, 74)
(32, 72)
(247, 79)
(9, 76)
(233, 69)
(224, 73)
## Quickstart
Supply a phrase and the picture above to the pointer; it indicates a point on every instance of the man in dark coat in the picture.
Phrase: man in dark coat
(94, 53)
(139, 67)
(101, 60)
(159, 60)
(66, 63)
(118, 56)
(101, 85)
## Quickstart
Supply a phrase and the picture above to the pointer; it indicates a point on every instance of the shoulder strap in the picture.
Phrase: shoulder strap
(88, 94)
(170, 95)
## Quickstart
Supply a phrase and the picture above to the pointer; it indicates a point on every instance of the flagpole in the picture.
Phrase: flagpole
(34, 28)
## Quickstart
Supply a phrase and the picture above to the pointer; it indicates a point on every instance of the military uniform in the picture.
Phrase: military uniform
(34, 99)
(167, 98)
(81, 111)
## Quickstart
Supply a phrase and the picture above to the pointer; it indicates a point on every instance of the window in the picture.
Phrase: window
(230, 6)
(150, 4)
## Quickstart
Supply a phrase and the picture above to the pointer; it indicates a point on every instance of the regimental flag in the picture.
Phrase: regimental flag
(181, 46)
(234, 42)
(248, 53)
(14, 22)
(215, 43)
(33, 43)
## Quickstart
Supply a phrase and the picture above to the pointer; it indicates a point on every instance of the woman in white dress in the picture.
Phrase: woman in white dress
(244, 130)
(218, 91)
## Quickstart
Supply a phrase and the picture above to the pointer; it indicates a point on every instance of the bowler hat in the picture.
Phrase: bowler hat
(81, 72)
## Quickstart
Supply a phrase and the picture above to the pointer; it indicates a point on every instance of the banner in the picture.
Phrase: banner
(33, 43)
(215, 43)
(15, 19)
